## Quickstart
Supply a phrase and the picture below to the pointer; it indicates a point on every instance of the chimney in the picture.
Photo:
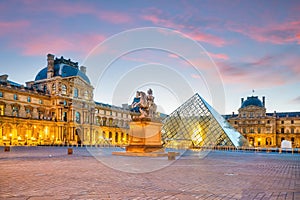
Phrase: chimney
(242, 101)
(264, 100)
(83, 69)
(3, 78)
(50, 66)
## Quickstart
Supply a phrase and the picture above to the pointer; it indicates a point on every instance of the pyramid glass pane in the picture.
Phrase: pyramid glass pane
(196, 124)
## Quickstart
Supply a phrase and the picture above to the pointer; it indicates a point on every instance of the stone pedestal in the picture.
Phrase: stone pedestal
(145, 137)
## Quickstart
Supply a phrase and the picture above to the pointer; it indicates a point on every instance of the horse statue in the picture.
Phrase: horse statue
(144, 104)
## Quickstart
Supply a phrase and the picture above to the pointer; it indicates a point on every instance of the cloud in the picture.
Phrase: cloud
(44, 44)
(219, 56)
(280, 33)
(114, 17)
(190, 30)
(67, 9)
(7, 27)
(266, 71)
(196, 76)
(296, 100)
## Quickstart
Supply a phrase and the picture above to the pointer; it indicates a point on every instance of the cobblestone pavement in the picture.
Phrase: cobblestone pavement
(49, 173)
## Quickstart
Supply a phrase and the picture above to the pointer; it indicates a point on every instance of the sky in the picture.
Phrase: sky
(223, 50)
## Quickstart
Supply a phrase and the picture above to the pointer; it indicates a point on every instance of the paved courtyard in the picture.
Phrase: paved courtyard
(49, 173)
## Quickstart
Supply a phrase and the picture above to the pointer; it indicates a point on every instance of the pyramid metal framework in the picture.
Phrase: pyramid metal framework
(196, 124)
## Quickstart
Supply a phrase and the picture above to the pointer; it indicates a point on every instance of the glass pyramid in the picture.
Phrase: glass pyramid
(196, 124)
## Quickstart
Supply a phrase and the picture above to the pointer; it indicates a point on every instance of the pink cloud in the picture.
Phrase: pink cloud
(196, 76)
(63, 8)
(191, 31)
(50, 43)
(268, 71)
(202, 37)
(219, 56)
(287, 32)
(11, 27)
(114, 17)
(173, 56)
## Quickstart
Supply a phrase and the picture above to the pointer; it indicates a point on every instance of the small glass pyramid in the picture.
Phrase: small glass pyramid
(196, 124)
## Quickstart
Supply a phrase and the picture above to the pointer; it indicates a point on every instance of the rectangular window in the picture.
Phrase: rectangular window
(28, 99)
(65, 116)
(282, 122)
(15, 97)
(1, 94)
(292, 121)
(41, 101)
(75, 92)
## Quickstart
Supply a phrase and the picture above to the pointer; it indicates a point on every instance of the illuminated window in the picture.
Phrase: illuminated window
(1, 110)
(75, 92)
(64, 89)
(40, 101)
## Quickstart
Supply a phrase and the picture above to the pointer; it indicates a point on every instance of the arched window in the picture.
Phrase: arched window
(77, 117)
(98, 120)
(63, 89)
(268, 141)
(75, 92)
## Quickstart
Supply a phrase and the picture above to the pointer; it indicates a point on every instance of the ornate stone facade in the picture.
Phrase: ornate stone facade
(58, 108)
(264, 129)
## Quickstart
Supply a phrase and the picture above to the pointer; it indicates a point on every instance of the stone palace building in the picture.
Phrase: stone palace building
(264, 129)
(58, 108)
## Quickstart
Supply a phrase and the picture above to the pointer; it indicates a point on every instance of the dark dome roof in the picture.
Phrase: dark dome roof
(252, 101)
(63, 70)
